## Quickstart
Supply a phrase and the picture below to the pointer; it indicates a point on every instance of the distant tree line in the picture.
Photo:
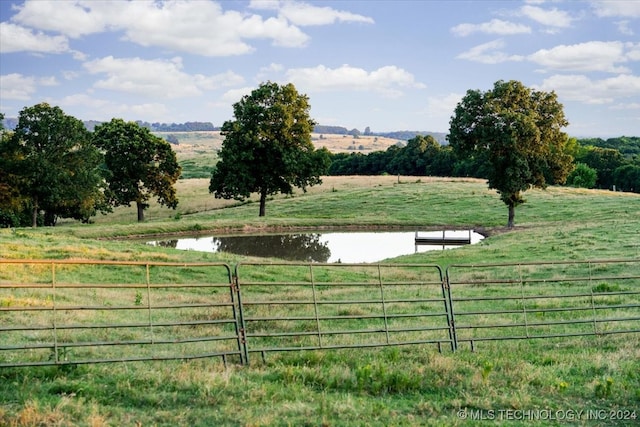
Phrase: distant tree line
(52, 167)
(12, 123)
(179, 127)
(403, 135)
(597, 163)
(335, 130)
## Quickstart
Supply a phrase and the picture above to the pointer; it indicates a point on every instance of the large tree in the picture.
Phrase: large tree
(139, 165)
(518, 131)
(53, 165)
(267, 148)
(10, 199)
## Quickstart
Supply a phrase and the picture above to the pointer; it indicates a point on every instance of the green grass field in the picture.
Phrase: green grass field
(577, 381)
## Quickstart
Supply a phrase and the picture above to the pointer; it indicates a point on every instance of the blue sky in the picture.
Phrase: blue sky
(389, 65)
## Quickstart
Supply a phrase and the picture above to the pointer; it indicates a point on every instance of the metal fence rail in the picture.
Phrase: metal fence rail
(72, 312)
(322, 306)
(544, 299)
(62, 312)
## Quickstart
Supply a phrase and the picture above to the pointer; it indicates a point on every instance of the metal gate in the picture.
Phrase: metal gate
(492, 302)
(63, 312)
(74, 312)
(326, 306)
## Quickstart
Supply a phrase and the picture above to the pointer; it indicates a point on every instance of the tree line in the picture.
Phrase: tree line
(52, 167)
(597, 163)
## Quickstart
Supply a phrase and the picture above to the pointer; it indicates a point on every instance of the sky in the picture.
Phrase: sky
(386, 65)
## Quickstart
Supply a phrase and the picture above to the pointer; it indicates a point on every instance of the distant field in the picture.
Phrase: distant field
(198, 143)
(196, 151)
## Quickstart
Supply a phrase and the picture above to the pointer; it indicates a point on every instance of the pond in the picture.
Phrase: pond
(346, 247)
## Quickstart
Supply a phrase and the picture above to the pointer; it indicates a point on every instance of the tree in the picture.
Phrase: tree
(267, 148)
(628, 177)
(519, 132)
(53, 165)
(10, 199)
(414, 158)
(582, 176)
(140, 165)
(605, 161)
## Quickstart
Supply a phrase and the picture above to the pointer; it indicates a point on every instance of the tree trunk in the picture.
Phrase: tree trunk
(34, 217)
(263, 202)
(141, 207)
(512, 214)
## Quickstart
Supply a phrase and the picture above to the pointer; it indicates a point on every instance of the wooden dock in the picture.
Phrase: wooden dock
(443, 239)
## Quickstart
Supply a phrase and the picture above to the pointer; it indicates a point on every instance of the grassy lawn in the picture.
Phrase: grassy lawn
(577, 381)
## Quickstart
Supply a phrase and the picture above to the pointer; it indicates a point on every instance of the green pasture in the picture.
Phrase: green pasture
(407, 385)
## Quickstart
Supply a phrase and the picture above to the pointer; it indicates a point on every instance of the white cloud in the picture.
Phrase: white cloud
(589, 56)
(84, 100)
(624, 28)
(71, 18)
(17, 86)
(198, 27)
(611, 8)
(204, 28)
(48, 81)
(276, 29)
(16, 38)
(626, 106)
(265, 4)
(90, 107)
(549, 17)
(268, 72)
(272, 68)
(152, 78)
(234, 95)
(384, 80)
(304, 14)
(442, 106)
(155, 78)
(582, 88)
(489, 53)
(70, 75)
(495, 26)
(218, 81)
(155, 111)
(633, 51)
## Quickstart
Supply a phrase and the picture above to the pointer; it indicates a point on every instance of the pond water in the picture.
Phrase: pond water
(346, 247)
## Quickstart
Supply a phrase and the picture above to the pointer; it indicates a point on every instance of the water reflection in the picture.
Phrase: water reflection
(349, 247)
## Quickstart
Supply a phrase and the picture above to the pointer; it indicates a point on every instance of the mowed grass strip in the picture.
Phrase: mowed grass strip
(409, 385)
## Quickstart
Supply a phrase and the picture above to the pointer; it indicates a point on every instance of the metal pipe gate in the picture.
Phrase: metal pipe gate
(64, 312)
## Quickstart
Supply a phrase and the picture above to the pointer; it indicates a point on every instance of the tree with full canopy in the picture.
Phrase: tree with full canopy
(267, 147)
(517, 131)
(53, 166)
(139, 165)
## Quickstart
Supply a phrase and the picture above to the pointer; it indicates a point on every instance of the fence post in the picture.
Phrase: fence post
(448, 307)
(238, 315)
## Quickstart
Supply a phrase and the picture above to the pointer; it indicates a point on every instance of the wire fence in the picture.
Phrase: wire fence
(65, 312)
